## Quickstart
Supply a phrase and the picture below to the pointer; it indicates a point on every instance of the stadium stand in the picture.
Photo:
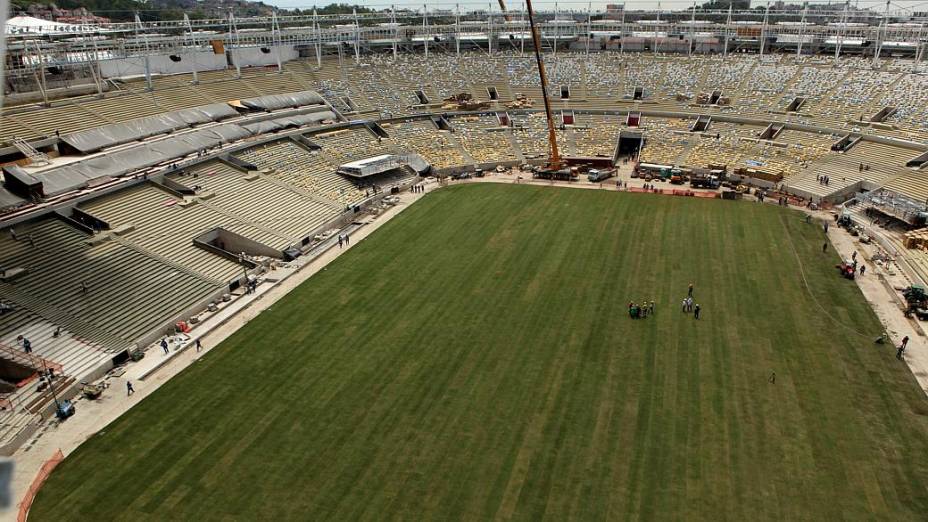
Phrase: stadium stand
(286, 216)
(531, 134)
(81, 279)
(131, 132)
(595, 135)
(305, 170)
(160, 222)
(437, 147)
(737, 146)
(481, 143)
(665, 141)
(883, 163)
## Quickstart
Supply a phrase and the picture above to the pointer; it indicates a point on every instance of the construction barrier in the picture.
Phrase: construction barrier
(40, 478)
(676, 192)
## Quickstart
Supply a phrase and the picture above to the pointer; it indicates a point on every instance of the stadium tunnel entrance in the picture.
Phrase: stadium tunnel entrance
(629, 144)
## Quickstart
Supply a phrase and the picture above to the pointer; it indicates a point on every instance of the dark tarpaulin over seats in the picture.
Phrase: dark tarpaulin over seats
(214, 111)
(9, 200)
(15, 177)
(282, 101)
(288, 122)
(92, 140)
(79, 174)
(19, 175)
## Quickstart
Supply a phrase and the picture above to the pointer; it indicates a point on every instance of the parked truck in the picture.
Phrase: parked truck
(710, 181)
(597, 175)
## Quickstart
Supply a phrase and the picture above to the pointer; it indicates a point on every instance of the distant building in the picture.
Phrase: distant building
(614, 11)
(79, 15)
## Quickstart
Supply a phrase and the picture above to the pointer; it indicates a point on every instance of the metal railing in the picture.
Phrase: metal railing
(28, 359)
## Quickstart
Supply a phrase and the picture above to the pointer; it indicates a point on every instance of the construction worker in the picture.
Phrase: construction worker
(901, 351)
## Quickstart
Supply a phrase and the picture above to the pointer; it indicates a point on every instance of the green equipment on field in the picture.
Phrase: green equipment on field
(916, 299)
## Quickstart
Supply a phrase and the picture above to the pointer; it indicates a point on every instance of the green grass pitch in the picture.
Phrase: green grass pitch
(473, 359)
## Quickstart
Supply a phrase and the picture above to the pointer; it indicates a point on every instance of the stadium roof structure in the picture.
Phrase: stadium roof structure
(97, 138)
(34, 41)
(31, 25)
(102, 168)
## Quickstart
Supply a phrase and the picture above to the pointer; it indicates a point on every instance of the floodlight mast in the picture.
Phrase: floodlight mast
(555, 159)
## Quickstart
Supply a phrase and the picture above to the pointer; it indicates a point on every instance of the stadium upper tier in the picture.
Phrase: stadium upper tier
(848, 94)
(814, 29)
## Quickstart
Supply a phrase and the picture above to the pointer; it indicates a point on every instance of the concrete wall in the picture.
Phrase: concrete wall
(757, 182)
(162, 64)
(85, 87)
(233, 243)
(254, 57)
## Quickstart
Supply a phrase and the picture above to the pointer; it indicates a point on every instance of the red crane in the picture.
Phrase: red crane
(554, 161)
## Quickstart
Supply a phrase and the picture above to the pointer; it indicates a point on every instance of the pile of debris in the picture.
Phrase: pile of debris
(705, 98)
(916, 239)
(521, 101)
(463, 102)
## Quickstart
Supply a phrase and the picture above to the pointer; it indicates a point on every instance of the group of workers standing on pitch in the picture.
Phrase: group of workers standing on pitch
(640, 311)
(688, 305)
(646, 308)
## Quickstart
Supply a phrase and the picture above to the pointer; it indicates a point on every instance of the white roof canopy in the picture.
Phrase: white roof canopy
(32, 25)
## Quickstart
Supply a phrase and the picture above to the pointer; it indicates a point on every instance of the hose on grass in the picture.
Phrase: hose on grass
(808, 288)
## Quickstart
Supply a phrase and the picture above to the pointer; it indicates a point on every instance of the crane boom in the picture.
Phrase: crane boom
(502, 7)
(555, 159)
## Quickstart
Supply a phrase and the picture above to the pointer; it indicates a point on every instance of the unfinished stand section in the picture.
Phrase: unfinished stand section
(771, 131)
(883, 114)
(918, 162)
(846, 143)
(796, 104)
(701, 124)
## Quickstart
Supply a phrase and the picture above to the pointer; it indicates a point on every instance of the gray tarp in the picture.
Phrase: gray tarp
(9, 200)
(263, 127)
(214, 111)
(79, 174)
(288, 122)
(92, 140)
(17, 176)
(282, 101)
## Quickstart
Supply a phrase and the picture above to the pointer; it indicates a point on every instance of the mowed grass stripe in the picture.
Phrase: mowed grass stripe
(473, 359)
